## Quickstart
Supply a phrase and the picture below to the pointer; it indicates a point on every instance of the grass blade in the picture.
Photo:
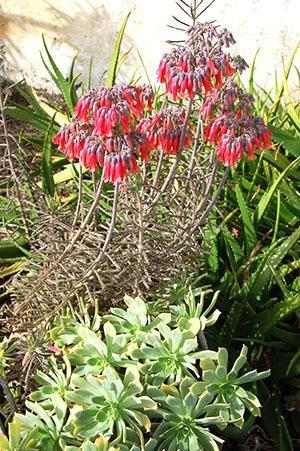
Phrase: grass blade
(112, 71)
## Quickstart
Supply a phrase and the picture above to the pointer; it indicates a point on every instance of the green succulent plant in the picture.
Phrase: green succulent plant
(191, 309)
(186, 418)
(110, 405)
(56, 381)
(93, 353)
(15, 441)
(44, 426)
(136, 318)
(225, 387)
(7, 348)
(170, 354)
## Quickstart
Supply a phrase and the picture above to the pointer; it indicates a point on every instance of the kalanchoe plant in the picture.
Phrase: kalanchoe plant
(103, 132)
(163, 164)
(225, 387)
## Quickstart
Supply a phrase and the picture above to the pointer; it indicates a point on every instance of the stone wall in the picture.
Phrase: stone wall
(89, 28)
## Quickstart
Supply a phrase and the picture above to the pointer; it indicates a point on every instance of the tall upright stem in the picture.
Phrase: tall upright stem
(175, 164)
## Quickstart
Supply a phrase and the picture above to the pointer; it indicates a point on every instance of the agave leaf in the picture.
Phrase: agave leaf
(12, 269)
(144, 67)
(112, 71)
(90, 69)
(275, 106)
(273, 258)
(251, 78)
(60, 118)
(264, 321)
(289, 142)
(66, 174)
(289, 104)
(24, 114)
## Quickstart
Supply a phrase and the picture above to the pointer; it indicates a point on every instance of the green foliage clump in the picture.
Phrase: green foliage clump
(134, 381)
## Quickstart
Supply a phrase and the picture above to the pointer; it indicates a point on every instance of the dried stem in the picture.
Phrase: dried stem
(79, 199)
(175, 164)
(206, 212)
(12, 168)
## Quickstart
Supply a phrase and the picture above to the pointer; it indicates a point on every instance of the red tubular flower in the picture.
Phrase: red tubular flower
(164, 130)
(236, 135)
(70, 140)
(123, 100)
(118, 166)
(105, 122)
(92, 155)
(201, 65)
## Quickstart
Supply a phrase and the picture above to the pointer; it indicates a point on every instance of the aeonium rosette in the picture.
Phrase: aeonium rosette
(103, 131)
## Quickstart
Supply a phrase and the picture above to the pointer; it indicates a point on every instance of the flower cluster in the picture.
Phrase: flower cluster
(230, 97)
(164, 130)
(103, 131)
(110, 130)
(236, 134)
(232, 126)
(201, 64)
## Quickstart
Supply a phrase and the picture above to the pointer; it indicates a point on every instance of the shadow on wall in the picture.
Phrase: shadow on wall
(87, 30)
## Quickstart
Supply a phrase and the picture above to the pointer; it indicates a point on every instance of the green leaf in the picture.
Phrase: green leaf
(251, 78)
(274, 108)
(56, 75)
(111, 77)
(289, 142)
(289, 104)
(47, 175)
(264, 321)
(250, 234)
(272, 259)
(266, 198)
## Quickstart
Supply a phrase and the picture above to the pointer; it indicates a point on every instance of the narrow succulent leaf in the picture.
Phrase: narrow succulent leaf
(111, 77)
(289, 142)
(263, 322)
(252, 70)
(47, 169)
(250, 234)
(57, 77)
(273, 259)
(266, 198)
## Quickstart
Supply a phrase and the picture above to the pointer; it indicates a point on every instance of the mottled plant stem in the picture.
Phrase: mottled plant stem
(8, 395)
(79, 199)
(70, 246)
(206, 212)
(202, 340)
(175, 164)
(157, 173)
(91, 269)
